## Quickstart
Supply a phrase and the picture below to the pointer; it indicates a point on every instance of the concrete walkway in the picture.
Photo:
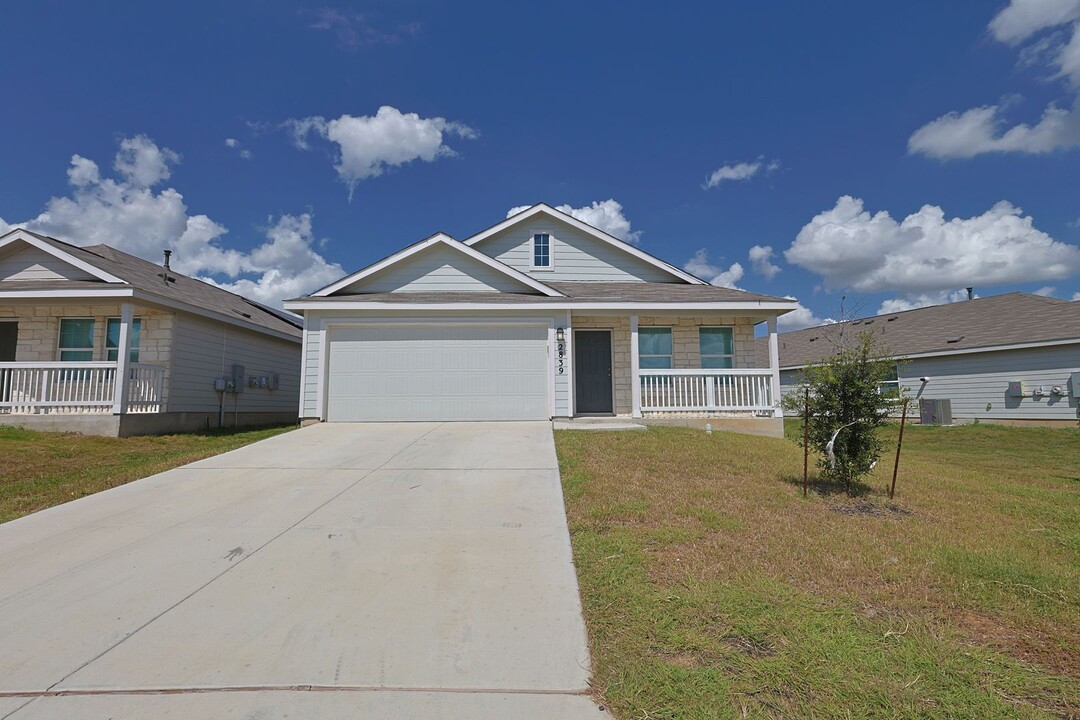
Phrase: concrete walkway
(409, 570)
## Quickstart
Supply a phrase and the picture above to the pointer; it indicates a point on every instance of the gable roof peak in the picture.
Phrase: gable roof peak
(591, 230)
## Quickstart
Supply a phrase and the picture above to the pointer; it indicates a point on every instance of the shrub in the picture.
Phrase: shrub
(846, 407)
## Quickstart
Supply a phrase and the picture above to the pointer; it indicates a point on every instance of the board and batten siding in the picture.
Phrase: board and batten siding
(30, 263)
(314, 365)
(972, 381)
(205, 349)
(574, 255)
(439, 269)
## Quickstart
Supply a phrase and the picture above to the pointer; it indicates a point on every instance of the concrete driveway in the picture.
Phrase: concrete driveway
(407, 570)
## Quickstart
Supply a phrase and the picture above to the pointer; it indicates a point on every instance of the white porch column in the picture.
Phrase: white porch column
(123, 360)
(774, 365)
(568, 327)
(635, 369)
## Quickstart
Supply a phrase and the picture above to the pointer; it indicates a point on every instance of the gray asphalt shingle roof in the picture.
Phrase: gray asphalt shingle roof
(1008, 319)
(599, 292)
(146, 276)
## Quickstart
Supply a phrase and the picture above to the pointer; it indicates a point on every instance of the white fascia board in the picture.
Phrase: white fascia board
(585, 228)
(739, 307)
(222, 317)
(70, 294)
(970, 351)
(450, 242)
(23, 236)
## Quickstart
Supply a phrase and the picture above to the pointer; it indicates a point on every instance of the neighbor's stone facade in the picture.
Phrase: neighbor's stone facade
(39, 332)
(686, 348)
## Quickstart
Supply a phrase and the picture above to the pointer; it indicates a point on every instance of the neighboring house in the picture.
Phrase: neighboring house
(1005, 358)
(539, 316)
(98, 341)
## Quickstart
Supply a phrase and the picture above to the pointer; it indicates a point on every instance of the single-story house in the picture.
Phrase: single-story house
(539, 316)
(95, 340)
(1011, 358)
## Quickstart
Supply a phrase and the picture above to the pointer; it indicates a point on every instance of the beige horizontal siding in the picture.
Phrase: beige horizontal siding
(29, 263)
(575, 255)
(204, 350)
(439, 269)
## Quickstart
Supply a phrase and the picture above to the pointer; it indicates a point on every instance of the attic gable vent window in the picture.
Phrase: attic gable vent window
(541, 251)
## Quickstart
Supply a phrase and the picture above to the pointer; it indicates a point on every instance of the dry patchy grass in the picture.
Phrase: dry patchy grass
(39, 470)
(712, 588)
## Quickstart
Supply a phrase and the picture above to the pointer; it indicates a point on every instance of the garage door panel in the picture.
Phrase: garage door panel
(466, 372)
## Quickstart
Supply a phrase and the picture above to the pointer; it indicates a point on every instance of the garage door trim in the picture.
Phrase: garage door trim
(328, 325)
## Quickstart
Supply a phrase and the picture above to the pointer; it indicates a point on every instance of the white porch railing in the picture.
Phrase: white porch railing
(144, 387)
(30, 388)
(713, 390)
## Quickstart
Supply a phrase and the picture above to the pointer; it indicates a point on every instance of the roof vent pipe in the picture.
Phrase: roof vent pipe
(970, 290)
(169, 252)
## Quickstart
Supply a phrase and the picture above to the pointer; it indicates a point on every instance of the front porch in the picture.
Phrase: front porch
(671, 367)
(80, 388)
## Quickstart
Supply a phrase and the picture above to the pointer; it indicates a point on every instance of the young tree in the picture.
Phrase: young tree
(846, 407)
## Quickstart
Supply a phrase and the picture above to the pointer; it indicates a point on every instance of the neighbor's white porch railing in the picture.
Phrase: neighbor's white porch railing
(29, 388)
(144, 387)
(713, 390)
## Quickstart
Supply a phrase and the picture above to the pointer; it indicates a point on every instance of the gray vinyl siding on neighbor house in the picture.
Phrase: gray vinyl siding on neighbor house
(574, 255)
(440, 269)
(205, 349)
(30, 263)
(974, 380)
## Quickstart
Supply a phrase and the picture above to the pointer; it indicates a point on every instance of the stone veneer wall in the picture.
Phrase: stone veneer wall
(684, 339)
(39, 332)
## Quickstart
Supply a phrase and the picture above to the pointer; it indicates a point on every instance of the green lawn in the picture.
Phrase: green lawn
(713, 589)
(39, 470)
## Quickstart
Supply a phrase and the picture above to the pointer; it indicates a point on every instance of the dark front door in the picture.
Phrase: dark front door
(592, 371)
(9, 336)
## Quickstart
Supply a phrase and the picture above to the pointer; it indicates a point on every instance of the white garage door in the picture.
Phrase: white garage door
(450, 372)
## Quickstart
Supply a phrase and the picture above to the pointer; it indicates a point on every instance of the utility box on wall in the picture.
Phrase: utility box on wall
(935, 412)
(1074, 381)
(1016, 388)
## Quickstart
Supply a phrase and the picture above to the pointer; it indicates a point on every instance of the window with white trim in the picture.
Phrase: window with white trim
(541, 251)
(76, 342)
(112, 339)
(890, 386)
(717, 347)
(654, 347)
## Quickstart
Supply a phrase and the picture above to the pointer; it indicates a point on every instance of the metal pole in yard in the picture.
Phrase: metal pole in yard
(899, 443)
(806, 443)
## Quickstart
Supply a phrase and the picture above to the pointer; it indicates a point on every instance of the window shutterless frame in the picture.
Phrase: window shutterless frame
(112, 339)
(655, 349)
(716, 346)
(75, 342)
(541, 252)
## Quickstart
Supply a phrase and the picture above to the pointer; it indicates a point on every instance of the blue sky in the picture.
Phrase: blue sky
(895, 152)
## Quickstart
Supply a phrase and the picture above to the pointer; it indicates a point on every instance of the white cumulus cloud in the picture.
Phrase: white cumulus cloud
(702, 267)
(927, 252)
(1047, 291)
(1076, 297)
(761, 260)
(799, 318)
(606, 215)
(985, 129)
(369, 145)
(911, 302)
(128, 213)
(740, 171)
